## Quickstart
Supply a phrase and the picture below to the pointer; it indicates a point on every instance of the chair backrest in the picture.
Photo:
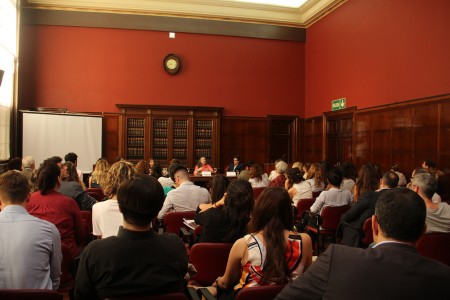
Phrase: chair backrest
(265, 292)
(435, 246)
(367, 231)
(29, 294)
(316, 194)
(174, 220)
(257, 192)
(171, 296)
(210, 261)
(66, 264)
(302, 205)
(331, 216)
(96, 193)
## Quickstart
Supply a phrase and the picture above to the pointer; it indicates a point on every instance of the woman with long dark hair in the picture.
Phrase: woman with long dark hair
(48, 204)
(227, 219)
(271, 254)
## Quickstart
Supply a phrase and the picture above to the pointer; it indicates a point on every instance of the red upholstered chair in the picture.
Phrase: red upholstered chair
(67, 280)
(367, 232)
(210, 261)
(302, 205)
(435, 246)
(96, 193)
(173, 221)
(87, 220)
(327, 224)
(171, 296)
(266, 292)
(29, 294)
(257, 191)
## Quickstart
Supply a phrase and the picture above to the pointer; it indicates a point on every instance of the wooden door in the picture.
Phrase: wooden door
(282, 137)
(339, 135)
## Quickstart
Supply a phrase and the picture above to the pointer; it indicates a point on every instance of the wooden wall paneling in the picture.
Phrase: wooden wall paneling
(362, 138)
(312, 145)
(243, 136)
(110, 136)
(425, 130)
(444, 137)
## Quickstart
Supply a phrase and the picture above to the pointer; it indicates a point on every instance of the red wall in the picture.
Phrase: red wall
(92, 69)
(378, 52)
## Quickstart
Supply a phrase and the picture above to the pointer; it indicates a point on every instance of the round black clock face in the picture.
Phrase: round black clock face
(172, 64)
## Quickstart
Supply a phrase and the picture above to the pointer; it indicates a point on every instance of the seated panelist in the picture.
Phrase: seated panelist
(202, 166)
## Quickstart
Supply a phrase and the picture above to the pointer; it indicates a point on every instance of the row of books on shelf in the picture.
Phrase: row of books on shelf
(131, 131)
(202, 152)
(159, 152)
(135, 122)
(204, 124)
(180, 123)
(179, 152)
(203, 133)
(135, 141)
(203, 142)
(160, 142)
(160, 132)
(180, 132)
(180, 142)
(160, 123)
(133, 151)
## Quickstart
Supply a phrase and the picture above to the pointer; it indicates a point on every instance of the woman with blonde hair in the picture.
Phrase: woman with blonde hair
(106, 217)
(99, 175)
(271, 253)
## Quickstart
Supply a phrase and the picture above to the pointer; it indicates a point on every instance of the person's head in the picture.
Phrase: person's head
(272, 215)
(244, 174)
(49, 177)
(69, 172)
(399, 215)
(14, 188)
(202, 161)
(281, 167)
(312, 171)
(306, 167)
(100, 171)
(249, 164)
(256, 171)
(156, 170)
(151, 162)
(236, 160)
(428, 163)
(174, 161)
(219, 186)
(367, 179)
(335, 177)
(140, 199)
(15, 164)
(180, 175)
(320, 171)
(143, 167)
(117, 173)
(395, 168)
(239, 204)
(294, 175)
(72, 157)
(298, 164)
(54, 159)
(424, 184)
(28, 162)
(390, 179)
(348, 170)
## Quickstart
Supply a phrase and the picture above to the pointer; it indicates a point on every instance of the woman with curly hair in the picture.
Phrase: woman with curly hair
(99, 175)
(316, 176)
(143, 167)
(271, 253)
(226, 220)
(106, 217)
(257, 177)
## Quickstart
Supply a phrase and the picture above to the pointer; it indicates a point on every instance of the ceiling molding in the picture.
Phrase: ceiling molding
(224, 10)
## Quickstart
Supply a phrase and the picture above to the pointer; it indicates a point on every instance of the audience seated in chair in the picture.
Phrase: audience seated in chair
(296, 186)
(271, 254)
(137, 261)
(31, 248)
(279, 178)
(96, 180)
(392, 269)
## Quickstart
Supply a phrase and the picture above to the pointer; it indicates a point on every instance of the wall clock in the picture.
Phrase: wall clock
(172, 64)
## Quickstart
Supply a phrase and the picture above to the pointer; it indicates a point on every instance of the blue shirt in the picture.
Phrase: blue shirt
(30, 251)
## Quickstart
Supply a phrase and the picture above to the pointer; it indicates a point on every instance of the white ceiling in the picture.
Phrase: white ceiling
(228, 10)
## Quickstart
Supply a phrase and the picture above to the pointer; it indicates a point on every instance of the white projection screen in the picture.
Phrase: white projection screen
(49, 134)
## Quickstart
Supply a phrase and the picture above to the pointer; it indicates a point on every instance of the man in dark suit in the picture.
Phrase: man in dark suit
(392, 269)
(236, 165)
(364, 208)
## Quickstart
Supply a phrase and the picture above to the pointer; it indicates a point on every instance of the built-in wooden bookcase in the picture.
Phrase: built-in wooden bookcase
(167, 132)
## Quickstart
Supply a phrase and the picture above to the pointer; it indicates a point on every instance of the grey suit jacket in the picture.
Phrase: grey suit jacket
(389, 271)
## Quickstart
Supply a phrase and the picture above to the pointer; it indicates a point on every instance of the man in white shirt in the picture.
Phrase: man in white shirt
(30, 256)
(438, 214)
(186, 196)
(333, 196)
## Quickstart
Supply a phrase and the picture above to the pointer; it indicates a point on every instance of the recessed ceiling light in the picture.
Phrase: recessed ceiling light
(286, 3)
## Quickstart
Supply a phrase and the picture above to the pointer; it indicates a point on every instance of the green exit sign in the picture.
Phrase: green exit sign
(338, 104)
